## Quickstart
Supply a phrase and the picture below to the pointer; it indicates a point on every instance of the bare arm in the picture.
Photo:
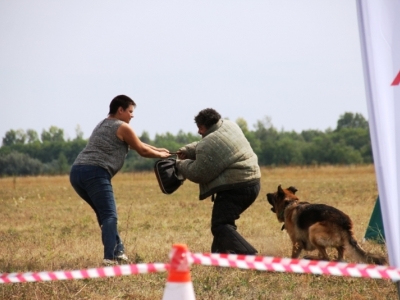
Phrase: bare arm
(126, 134)
(155, 148)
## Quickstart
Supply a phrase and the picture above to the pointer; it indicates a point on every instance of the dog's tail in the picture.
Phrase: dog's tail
(363, 256)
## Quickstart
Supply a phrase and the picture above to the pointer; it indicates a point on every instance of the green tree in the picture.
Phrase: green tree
(250, 136)
(10, 138)
(63, 166)
(327, 150)
(267, 137)
(350, 120)
(344, 155)
(54, 134)
(287, 151)
(32, 136)
(183, 138)
(13, 137)
(355, 137)
(172, 143)
(353, 131)
(19, 164)
(349, 143)
(145, 137)
(135, 162)
(243, 125)
(309, 135)
(78, 132)
(317, 152)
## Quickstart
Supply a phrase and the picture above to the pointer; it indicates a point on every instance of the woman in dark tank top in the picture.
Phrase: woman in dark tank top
(99, 161)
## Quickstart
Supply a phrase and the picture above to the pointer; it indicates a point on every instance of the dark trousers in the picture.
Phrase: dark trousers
(93, 184)
(228, 205)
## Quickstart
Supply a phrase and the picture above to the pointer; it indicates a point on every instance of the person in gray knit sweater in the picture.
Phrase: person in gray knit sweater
(99, 161)
(226, 168)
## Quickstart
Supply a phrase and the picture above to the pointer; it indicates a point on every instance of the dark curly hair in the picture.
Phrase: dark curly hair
(207, 117)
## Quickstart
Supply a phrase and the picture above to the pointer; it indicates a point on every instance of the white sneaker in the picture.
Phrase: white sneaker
(122, 258)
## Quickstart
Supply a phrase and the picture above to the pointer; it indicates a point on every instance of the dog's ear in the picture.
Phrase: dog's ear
(292, 189)
(280, 193)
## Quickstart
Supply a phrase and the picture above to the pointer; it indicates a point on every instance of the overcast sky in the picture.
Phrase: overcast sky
(62, 62)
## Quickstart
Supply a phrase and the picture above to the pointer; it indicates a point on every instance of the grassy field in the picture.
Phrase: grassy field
(45, 226)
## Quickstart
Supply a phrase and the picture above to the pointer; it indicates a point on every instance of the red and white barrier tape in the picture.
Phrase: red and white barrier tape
(296, 265)
(83, 274)
(262, 263)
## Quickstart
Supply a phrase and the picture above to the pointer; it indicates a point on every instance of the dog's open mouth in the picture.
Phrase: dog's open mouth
(271, 200)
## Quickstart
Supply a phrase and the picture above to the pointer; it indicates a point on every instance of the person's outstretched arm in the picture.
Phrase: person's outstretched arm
(126, 133)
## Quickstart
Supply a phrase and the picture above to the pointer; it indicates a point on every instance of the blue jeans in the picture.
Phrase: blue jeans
(93, 184)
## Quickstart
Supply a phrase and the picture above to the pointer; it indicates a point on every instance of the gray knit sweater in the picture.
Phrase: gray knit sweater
(222, 160)
(104, 148)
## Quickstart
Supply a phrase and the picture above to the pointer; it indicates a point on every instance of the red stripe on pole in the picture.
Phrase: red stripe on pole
(396, 81)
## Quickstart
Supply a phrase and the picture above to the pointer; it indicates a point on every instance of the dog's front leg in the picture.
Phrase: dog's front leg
(296, 249)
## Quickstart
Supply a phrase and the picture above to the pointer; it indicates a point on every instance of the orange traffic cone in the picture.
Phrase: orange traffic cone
(179, 283)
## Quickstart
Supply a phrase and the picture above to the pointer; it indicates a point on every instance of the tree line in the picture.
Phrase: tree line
(24, 153)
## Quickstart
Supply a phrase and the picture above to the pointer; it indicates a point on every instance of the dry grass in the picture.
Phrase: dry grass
(45, 226)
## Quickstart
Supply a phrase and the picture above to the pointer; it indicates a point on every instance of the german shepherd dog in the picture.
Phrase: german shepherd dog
(317, 226)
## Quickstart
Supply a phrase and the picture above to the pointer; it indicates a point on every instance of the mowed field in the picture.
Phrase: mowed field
(45, 226)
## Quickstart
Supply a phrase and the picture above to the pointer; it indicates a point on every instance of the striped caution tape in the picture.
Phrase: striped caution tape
(261, 263)
(83, 274)
(296, 265)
